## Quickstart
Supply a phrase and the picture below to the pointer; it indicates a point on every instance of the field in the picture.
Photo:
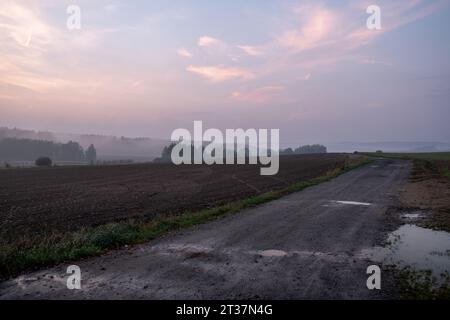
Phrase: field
(412, 156)
(36, 201)
(437, 162)
(429, 187)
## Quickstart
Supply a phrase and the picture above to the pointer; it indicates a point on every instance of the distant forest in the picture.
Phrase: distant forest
(314, 148)
(307, 149)
(12, 149)
(109, 148)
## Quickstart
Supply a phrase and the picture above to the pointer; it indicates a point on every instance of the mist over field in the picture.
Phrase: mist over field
(108, 147)
(145, 149)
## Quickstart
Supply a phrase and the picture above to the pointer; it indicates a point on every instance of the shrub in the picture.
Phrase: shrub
(43, 162)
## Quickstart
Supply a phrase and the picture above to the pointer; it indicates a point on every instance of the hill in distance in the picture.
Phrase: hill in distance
(108, 147)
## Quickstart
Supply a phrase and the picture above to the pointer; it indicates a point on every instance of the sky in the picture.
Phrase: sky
(309, 68)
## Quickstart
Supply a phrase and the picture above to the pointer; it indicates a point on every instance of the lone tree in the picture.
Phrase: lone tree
(43, 162)
(91, 154)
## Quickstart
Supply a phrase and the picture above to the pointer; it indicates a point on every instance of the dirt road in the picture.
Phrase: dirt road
(305, 245)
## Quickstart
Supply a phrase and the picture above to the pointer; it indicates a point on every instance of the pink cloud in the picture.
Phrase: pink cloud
(259, 95)
(220, 74)
(207, 41)
(250, 50)
(319, 25)
(26, 38)
(184, 53)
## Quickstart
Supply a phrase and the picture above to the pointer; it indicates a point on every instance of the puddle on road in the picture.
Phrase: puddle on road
(411, 216)
(354, 203)
(413, 246)
(339, 203)
(273, 253)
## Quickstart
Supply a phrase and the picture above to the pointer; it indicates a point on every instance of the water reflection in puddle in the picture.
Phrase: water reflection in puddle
(339, 203)
(417, 247)
(411, 216)
(273, 253)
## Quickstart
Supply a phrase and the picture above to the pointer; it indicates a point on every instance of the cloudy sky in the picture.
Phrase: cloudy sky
(310, 68)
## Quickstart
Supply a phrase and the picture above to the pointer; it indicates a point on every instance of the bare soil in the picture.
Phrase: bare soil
(41, 200)
(429, 191)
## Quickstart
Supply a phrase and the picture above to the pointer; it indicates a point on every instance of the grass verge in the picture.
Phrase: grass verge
(421, 285)
(43, 251)
(446, 172)
(411, 156)
(423, 160)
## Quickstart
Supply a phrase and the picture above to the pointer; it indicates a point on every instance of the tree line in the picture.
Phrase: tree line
(167, 152)
(12, 149)
(307, 149)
